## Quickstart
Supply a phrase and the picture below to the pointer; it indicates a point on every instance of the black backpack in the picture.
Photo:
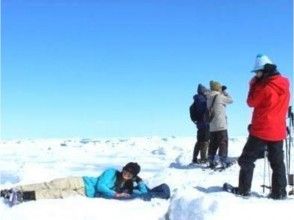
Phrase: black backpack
(199, 111)
(196, 113)
(193, 112)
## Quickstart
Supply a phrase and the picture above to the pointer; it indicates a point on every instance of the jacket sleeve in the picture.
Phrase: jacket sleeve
(255, 95)
(227, 99)
(140, 189)
(104, 182)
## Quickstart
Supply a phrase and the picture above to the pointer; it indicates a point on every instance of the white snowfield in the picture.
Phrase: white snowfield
(196, 192)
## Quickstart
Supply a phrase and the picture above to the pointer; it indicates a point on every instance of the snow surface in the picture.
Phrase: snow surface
(196, 192)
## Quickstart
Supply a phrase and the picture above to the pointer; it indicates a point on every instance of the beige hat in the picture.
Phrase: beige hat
(215, 86)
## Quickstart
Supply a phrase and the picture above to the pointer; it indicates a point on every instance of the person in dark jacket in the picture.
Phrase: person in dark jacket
(202, 124)
(269, 97)
(111, 184)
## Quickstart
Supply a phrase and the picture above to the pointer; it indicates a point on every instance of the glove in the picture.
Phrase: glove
(122, 195)
(224, 88)
(248, 127)
(253, 81)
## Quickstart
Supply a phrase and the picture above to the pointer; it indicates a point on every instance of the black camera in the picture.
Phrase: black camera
(224, 88)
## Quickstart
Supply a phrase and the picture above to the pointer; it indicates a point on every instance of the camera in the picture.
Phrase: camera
(224, 88)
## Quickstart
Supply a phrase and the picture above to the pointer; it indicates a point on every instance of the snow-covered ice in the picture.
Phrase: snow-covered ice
(196, 192)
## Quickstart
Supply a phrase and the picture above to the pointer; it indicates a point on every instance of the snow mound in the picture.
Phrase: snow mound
(190, 206)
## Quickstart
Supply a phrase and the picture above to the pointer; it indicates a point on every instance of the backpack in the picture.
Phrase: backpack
(197, 110)
(194, 114)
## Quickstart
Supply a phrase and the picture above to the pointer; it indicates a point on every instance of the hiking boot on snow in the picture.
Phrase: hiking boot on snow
(16, 197)
(5, 193)
(199, 161)
(235, 190)
(280, 195)
(212, 164)
(240, 192)
(226, 164)
(195, 161)
(203, 161)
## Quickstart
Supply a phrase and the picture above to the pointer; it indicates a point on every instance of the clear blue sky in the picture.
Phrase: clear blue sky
(113, 68)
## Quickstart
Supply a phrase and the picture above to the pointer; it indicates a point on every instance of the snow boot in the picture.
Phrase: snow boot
(15, 196)
(235, 190)
(212, 164)
(227, 164)
(280, 195)
(195, 161)
(203, 161)
(5, 193)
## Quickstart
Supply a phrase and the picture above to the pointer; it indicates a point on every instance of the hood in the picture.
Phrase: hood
(279, 83)
(201, 90)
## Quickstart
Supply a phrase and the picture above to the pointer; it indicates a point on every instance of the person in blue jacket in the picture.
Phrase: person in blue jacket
(115, 184)
(111, 184)
(202, 123)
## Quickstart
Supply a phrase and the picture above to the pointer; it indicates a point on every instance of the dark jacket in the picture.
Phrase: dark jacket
(200, 100)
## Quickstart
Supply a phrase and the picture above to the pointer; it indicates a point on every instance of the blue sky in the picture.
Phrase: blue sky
(130, 68)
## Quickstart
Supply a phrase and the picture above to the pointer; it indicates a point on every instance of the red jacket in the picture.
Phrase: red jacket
(270, 100)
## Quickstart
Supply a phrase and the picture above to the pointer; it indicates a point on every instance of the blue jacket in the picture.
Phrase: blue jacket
(104, 185)
(201, 100)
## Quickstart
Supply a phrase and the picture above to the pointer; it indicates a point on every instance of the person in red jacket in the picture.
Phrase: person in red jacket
(269, 96)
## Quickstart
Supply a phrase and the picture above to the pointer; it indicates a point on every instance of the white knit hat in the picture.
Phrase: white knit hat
(260, 61)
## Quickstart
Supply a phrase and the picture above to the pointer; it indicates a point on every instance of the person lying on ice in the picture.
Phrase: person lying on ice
(111, 184)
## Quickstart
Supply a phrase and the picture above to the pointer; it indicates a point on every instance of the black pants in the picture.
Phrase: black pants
(253, 150)
(218, 141)
(203, 134)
